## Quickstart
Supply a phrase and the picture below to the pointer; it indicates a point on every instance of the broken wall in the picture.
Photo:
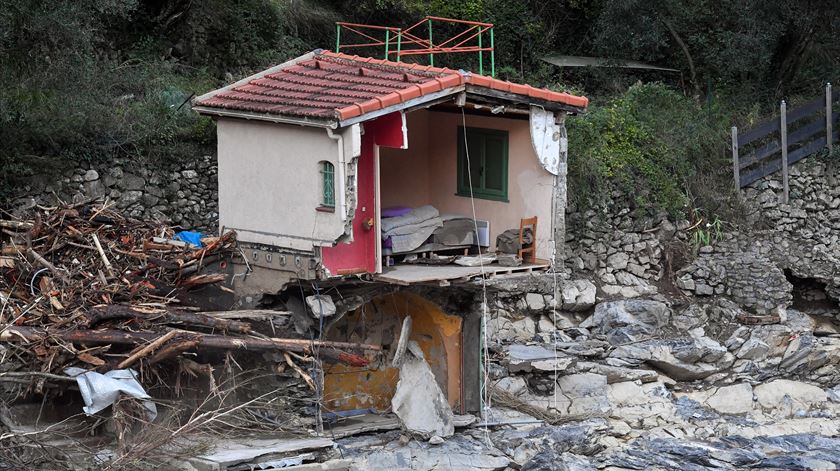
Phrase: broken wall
(426, 173)
(379, 322)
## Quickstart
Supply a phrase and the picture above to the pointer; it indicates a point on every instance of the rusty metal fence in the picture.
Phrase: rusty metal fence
(784, 140)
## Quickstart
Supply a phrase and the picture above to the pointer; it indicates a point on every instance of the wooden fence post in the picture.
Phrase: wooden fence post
(783, 129)
(828, 130)
(735, 163)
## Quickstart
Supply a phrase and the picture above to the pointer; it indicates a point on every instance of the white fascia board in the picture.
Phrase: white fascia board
(272, 118)
(414, 102)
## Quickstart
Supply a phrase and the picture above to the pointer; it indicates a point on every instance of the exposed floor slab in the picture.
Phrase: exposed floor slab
(412, 274)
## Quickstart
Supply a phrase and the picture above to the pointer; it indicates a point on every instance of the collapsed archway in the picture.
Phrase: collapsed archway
(379, 322)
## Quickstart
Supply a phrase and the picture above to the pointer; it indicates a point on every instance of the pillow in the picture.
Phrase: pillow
(395, 211)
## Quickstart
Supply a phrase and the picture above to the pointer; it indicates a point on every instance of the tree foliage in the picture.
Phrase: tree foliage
(89, 79)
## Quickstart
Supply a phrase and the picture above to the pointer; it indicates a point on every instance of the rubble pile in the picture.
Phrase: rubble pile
(109, 304)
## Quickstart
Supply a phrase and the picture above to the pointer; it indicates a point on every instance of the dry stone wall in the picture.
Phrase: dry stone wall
(183, 193)
(623, 251)
(801, 238)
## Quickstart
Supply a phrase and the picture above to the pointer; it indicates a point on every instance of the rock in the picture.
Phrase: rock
(189, 174)
(512, 384)
(91, 175)
(683, 359)
(618, 261)
(803, 396)
(734, 399)
(753, 349)
(95, 189)
(545, 324)
(130, 181)
(578, 295)
(418, 402)
(628, 321)
(523, 330)
(618, 374)
(436, 440)
(583, 394)
(128, 198)
(527, 358)
(686, 282)
(535, 301)
(833, 394)
(635, 403)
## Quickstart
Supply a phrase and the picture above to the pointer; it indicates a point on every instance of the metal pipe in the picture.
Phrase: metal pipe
(480, 56)
(492, 54)
(340, 171)
(337, 38)
(431, 46)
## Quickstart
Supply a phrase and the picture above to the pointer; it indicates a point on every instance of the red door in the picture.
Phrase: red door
(359, 256)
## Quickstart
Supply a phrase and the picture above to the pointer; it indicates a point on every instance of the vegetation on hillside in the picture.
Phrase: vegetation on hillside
(91, 79)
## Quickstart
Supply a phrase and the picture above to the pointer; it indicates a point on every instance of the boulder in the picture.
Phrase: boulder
(618, 261)
(91, 175)
(578, 295)
(683, 359)
(523, 330)
(418, 402)
(583, 394)
(629, 320)
(527, 358)
(130, 181)
(734, 399)
(802, 396)
(535, 301)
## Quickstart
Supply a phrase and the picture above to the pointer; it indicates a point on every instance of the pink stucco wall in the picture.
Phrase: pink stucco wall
(426, 173)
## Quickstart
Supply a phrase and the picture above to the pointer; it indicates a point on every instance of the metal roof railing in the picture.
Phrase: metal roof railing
(399, 42)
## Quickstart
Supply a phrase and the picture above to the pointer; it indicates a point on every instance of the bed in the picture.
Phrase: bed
(424, 229)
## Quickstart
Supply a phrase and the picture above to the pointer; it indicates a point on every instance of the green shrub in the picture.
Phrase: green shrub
(652, 143)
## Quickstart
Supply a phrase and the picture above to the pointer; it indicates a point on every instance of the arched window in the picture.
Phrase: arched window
(327, 184)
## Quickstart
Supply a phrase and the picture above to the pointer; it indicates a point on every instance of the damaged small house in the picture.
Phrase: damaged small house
(363, 203)
(354, 183)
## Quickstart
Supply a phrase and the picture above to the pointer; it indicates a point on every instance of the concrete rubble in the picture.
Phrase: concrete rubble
(628, 360)
(418, 401)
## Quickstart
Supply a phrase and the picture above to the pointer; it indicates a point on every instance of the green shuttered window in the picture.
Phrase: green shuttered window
(488, 163)
(328, 184)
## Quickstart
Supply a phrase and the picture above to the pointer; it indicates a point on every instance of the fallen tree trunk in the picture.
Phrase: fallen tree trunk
(327, 350)
(178, 317)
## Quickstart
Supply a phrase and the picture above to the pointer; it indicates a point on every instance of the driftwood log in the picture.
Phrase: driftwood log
(325, 349)
(166, 316)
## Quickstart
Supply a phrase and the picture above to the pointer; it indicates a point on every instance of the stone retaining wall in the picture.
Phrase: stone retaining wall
(179, 193)
(801, 237)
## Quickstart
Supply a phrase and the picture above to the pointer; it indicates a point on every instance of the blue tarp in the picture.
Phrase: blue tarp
(190, 237)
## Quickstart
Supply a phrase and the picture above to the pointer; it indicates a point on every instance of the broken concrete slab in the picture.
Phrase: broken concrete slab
(418, 402)
(226, 454)
(526, 358)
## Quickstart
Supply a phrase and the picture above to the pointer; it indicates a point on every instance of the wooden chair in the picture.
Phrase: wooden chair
(531, 249)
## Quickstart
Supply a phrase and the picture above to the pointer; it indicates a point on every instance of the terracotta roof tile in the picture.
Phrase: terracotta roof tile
(334, 86)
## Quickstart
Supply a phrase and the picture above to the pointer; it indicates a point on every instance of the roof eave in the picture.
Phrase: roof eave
(524, 100)
(421, 101)
(272, 118)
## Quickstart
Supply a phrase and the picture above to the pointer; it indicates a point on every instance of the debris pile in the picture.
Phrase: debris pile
(83, 286)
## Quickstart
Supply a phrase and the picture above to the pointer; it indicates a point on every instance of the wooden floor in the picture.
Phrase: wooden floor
(412, 274)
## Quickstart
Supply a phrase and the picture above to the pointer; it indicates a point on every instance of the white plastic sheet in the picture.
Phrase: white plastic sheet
(101, 390)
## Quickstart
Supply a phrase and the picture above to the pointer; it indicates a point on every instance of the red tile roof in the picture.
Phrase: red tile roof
(332, 86)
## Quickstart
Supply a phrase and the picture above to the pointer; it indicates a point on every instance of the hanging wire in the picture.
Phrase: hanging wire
(485, 390)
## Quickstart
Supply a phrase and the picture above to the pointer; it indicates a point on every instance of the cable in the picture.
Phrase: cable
(487, 405)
